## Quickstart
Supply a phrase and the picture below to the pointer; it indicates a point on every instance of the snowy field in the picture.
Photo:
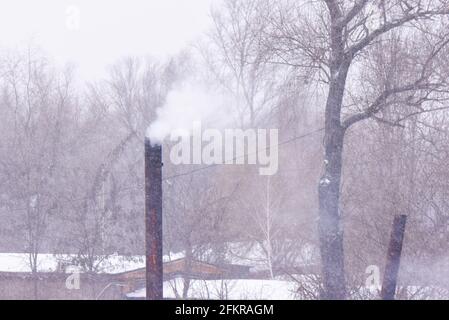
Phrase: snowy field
(227, 289)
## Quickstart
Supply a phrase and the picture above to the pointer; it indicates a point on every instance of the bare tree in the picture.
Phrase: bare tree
(197, 216)
(39, 110)
(236, 57)
(342, 50)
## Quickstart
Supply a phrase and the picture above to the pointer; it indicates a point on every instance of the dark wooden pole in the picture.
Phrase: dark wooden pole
(393, 258)
(153, 220)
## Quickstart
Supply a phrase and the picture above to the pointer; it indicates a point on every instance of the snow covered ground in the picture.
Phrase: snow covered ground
(227, 289)
(262, 289)
(247, 289)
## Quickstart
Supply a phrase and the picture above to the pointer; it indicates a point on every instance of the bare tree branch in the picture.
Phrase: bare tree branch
(388, 26)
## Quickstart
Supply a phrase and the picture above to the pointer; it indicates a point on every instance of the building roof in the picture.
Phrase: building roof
(46, 262)
(114, 264)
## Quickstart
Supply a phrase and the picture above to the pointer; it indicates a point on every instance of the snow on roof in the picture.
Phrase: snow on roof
(249, 254)
(47, 262)
(19, 262)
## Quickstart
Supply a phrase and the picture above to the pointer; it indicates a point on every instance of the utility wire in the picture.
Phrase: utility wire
(246, 154)
(131, 189)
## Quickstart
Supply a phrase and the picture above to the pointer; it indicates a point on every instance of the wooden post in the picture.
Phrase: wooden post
(393, 258)
(153, 221)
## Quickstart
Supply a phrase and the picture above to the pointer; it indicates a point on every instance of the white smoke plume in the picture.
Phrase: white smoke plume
(188, 104)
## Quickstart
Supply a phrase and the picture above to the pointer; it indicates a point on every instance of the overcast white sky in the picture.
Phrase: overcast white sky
(107, 29)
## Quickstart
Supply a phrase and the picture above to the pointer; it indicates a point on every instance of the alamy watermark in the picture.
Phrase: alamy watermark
(228, 146)
(372, 282)
(72, 282)
(72, 21)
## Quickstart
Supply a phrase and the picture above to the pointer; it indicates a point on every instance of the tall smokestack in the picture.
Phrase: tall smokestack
(153, 220)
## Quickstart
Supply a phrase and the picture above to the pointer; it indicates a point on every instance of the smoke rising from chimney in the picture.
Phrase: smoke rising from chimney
(188, 104)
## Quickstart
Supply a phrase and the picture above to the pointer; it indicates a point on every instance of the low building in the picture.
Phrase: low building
(116, 276)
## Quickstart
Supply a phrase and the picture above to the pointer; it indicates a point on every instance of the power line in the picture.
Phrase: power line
(131, 189)
(244, 155)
